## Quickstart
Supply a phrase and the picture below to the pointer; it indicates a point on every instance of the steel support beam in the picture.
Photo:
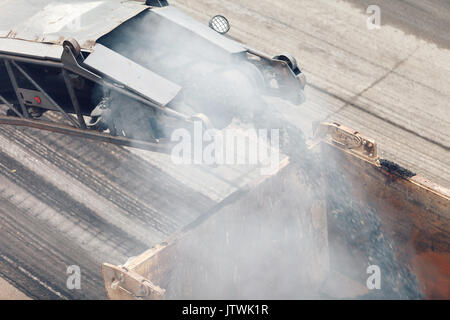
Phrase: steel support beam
(13, 79)
(11, 106)
(157, 146)
(34, 83)
(74, 98)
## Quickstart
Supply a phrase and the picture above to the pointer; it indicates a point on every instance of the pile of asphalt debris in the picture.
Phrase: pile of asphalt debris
(263, 246)
(395, 168)
(359, 228)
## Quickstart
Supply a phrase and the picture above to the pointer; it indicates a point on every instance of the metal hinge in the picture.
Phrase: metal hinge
(347, 138)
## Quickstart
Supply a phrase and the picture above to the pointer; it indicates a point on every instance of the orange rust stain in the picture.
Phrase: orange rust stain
(433, 272)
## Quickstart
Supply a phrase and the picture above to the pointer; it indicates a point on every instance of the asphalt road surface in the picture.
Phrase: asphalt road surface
(65, 201)
(390, 84)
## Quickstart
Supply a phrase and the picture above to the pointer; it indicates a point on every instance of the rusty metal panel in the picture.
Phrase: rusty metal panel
(387, 218)
(54, 21)
(134, 76)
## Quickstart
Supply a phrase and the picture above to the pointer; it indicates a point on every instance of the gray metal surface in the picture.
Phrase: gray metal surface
(28, 96)
(134, 76)
(31, 49)
(179, 17)
(54, 21)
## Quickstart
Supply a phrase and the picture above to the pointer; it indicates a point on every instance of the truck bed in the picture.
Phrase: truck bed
(308, 232)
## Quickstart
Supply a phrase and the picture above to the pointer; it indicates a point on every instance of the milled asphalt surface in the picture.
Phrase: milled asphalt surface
(66, 201)
(390, 84)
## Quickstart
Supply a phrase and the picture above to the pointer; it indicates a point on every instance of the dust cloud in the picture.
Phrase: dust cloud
(271, 242)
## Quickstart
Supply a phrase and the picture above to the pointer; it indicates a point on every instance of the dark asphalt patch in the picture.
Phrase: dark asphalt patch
(395, 168)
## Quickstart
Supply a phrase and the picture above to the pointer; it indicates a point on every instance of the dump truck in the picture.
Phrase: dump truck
(332, 214)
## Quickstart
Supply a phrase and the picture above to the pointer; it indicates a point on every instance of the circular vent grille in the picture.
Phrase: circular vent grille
(219, 24)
